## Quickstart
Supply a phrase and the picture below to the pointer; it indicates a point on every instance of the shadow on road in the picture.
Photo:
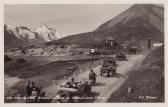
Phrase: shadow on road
(100, 84)
(123, 60)
(119, 75)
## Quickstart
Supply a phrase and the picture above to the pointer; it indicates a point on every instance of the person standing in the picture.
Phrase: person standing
(28, 89)
(32, 86)
(72, 82)
(92, 76)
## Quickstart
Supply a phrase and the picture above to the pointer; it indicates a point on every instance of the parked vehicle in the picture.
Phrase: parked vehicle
(77, 93)
(121, 56)
(132, 50)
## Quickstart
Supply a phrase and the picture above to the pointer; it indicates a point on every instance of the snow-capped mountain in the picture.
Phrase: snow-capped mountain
(26, 36)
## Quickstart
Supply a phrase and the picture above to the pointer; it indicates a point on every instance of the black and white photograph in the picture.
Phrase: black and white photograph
(84, 53)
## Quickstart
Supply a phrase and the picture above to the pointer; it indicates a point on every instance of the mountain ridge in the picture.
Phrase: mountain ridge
(135, 24)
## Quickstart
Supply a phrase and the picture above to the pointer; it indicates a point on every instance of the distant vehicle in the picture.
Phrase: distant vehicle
(132, 50)
(121, 56)
(77, 93)
(109, 67)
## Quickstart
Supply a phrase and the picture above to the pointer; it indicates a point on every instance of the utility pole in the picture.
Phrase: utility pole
(92, 53)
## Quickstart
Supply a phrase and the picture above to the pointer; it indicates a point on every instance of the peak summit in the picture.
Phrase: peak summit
(145, 12)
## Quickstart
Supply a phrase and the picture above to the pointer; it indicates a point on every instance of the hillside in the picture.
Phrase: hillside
(156, 55)
(147, 82)
(131, 26)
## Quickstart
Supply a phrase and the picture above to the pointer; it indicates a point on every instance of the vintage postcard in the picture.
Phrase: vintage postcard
(84, 53)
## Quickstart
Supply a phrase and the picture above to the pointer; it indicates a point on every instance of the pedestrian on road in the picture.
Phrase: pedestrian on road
(92, 76)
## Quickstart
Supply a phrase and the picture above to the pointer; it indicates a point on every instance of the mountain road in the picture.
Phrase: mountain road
(106, 86)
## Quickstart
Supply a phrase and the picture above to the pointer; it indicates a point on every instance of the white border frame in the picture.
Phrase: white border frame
(3, 2)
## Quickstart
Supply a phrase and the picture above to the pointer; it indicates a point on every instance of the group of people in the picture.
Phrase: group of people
(33, 91)
(74, 84)
(71, 83)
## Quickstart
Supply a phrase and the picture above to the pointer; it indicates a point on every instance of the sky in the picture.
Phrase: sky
(67, 18)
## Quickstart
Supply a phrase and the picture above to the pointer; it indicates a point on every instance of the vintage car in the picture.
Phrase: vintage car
(77, 93)
(121, 56)
(109, 67)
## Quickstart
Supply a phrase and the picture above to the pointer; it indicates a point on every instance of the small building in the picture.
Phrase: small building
(110, 41)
